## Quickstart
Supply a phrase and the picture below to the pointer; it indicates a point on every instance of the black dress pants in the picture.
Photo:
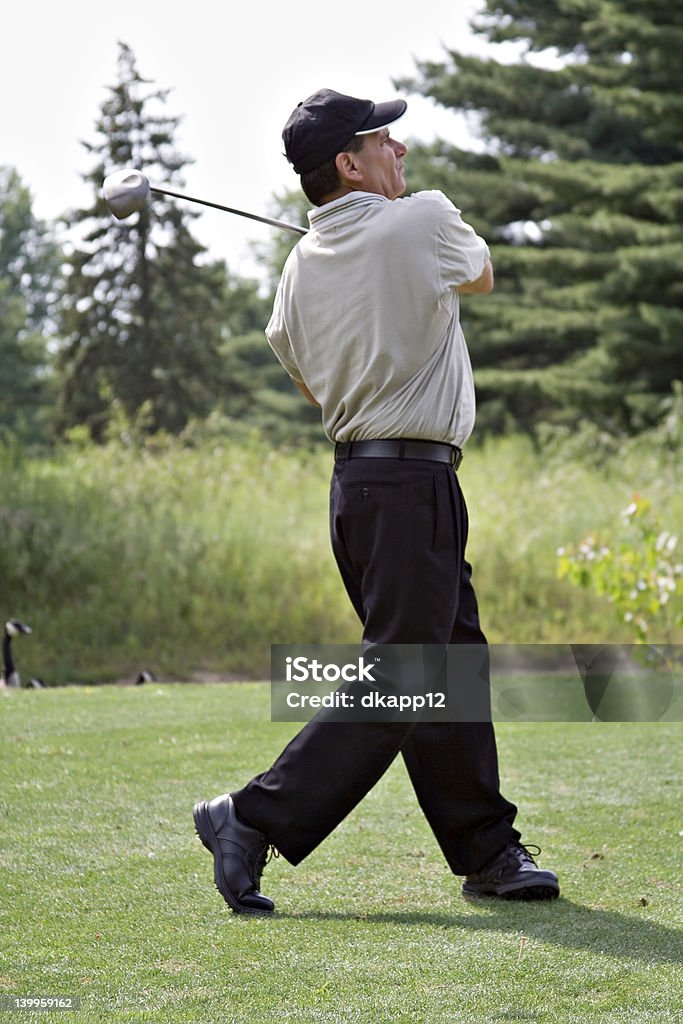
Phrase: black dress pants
(399, 529)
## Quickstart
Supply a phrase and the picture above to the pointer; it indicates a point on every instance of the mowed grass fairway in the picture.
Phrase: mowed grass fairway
(107, 895)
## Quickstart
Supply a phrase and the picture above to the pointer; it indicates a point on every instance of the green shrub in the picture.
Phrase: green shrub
(635, 566)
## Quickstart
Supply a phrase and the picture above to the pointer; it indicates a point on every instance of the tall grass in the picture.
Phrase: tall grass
(526, 502)
(173, 559)
(195, 559)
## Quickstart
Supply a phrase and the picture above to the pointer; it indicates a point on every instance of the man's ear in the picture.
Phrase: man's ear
(346, 168)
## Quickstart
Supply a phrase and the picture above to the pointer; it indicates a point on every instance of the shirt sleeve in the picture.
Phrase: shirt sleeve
(463, 254)
(278, 339)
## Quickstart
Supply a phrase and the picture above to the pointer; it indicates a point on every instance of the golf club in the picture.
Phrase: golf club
(126, 192)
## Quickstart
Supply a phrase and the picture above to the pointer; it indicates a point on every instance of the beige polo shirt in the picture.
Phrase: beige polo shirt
(366, 315)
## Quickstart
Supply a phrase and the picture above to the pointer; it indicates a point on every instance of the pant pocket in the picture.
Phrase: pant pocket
(443, 515)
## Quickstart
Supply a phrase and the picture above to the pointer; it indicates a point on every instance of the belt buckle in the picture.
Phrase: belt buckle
(456, 457)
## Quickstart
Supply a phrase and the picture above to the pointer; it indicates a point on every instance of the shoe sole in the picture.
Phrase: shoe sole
(205, 831)
(525, 892)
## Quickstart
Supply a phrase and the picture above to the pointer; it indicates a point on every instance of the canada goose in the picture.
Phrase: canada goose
(145, 677)
(10, 676)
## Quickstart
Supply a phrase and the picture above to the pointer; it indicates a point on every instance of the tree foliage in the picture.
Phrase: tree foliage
(144, 313)
(580, 194)
(29, 275)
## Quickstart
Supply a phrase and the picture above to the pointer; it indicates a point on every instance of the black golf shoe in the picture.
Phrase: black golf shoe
(239, 853)
(514, 875)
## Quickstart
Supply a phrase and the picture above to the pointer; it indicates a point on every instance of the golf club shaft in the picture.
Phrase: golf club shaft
(228, 209)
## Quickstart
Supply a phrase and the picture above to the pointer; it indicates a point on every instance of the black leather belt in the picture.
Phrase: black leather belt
(432, 451)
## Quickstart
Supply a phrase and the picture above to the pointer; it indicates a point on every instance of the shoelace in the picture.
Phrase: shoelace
(257, 857)
(524, 852)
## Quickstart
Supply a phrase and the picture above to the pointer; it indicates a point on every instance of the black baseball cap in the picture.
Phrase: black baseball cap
(321, 126)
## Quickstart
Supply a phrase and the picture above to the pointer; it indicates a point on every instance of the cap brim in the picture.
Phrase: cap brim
(382, 116)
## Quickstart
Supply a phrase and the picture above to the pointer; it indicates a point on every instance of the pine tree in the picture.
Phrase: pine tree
(143, 316)
(580, 195)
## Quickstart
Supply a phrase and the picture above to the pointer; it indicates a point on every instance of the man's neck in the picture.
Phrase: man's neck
(343, 191)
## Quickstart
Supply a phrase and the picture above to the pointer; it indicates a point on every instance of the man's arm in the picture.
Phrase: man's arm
(482, 285)
(305, 392)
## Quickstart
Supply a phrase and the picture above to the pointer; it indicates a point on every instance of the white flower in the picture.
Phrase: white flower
(666, 583)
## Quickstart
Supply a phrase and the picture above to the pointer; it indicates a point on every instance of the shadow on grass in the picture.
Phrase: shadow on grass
(561, 922)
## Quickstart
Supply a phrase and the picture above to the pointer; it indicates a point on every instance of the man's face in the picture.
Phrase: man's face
(380, 163)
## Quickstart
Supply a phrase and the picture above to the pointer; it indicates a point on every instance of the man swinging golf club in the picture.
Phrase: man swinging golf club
(366, 324)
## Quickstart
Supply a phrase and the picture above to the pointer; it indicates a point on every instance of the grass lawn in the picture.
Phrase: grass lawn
(107, 895)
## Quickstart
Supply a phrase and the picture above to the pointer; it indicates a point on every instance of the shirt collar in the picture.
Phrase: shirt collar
(341, 207)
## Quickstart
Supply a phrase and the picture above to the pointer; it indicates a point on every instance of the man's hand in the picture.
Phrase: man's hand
(483, 284)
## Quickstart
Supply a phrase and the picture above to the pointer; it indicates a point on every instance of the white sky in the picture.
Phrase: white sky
(236, 70)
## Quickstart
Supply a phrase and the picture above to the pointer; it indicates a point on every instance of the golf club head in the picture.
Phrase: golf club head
(125, 192)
